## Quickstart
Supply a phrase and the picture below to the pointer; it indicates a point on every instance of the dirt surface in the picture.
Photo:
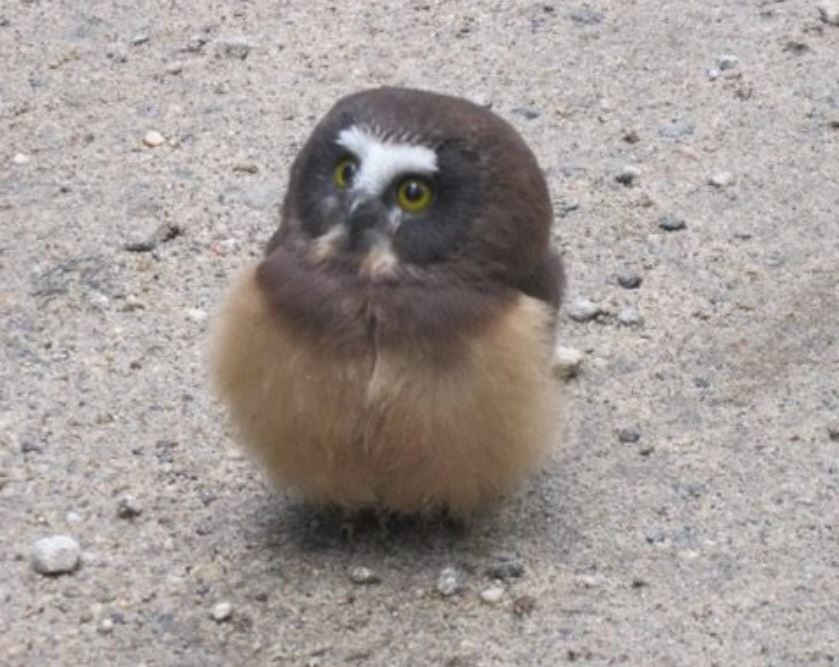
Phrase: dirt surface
(690, 514)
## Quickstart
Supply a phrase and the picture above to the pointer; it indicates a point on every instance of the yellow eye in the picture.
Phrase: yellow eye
(345, 172)
(413, 195)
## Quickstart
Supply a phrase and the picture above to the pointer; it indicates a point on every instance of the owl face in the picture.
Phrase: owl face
(394, 180)
(387, 200)
(412, 210)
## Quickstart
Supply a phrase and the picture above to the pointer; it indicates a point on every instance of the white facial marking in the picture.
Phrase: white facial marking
(381, 161)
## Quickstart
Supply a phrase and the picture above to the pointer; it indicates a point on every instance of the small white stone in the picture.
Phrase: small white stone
(175, 67)
(56, 554)
(20, 159)
(566, 362)
(448, 583)
(721, 179)
(713, 74)
(630, 317)
(493, 594)
(196, 315)
(222, 612)
(153, 139)
(363, 575)
(106, 627)
(73, 517)
(829, 11)
(583, 310)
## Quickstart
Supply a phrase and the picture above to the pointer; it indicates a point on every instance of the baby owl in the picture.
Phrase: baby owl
(391, 348)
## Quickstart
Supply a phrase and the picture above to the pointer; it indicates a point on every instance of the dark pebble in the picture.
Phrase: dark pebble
(629, 279)
(670, 223)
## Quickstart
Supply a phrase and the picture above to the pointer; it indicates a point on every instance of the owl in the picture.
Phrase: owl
(391, 348)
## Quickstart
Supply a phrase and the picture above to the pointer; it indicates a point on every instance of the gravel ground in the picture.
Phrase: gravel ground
(689, 515)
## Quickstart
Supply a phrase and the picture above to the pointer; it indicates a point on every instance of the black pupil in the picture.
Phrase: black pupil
(413, 191)
(348, 171)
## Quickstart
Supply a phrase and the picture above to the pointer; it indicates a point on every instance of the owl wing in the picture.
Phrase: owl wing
(547, 280)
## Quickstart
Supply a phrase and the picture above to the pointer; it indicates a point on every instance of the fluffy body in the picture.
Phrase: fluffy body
(408, 429)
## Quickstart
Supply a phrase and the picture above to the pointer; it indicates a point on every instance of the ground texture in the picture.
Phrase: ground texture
(688, 516)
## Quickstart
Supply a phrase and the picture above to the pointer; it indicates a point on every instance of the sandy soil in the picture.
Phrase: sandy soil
(711, 539)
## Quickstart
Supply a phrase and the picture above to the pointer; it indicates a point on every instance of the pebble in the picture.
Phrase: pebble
(628, 175)
(449, 582)
(713, 74)
(196, 43)
(586, 16)
(524, 606)
(128, 508)
(153, 138)
(246, 167)
(566, 362)
(175, 67)
(21, 159)
(583, 310)
(629, 434)
(236, 47)
(221, 612)
(493, 594)
(833, 431)
(196, 315)
(670, 223)
(505, 569)
(721, 179)
(56, 554)
(364, 576)
(139, 38)
(106, 627)
(567, 206)
(629, 279)
(676, 128)
(527, 113)
(630, 317)
(829, 11)
(727, 61)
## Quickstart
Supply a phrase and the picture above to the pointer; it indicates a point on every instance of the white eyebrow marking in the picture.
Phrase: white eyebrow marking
(381, 161)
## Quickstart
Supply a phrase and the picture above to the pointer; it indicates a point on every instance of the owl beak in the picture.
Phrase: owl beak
(364, 214)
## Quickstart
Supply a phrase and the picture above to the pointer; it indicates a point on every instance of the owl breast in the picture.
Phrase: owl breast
(413, 428)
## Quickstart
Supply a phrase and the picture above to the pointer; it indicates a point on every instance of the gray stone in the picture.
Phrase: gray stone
(628, 175)
(629, 434)
(586, 16)
(236, 47)
(221, 612)
(56, 554)
(128, 508)
(449, 582)
(492, 594)
(829, 11)
(676, 128)
(630, 317)
(833, 431)
(721, 179)
(629, 279)
(727, 61)
(670, 223)
(364, 576)
(566, 362)
(583, 310)
(564, 207)
(505, 569)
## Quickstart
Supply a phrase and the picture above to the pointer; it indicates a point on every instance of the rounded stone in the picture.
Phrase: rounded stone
(56, 554)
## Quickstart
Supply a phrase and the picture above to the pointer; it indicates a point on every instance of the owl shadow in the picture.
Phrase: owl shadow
(534, 525)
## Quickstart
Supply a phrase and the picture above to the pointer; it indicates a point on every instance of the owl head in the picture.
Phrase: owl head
(413, 208)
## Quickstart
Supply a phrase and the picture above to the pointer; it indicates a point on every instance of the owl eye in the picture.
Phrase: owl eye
(413, 195)
(345, 172)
